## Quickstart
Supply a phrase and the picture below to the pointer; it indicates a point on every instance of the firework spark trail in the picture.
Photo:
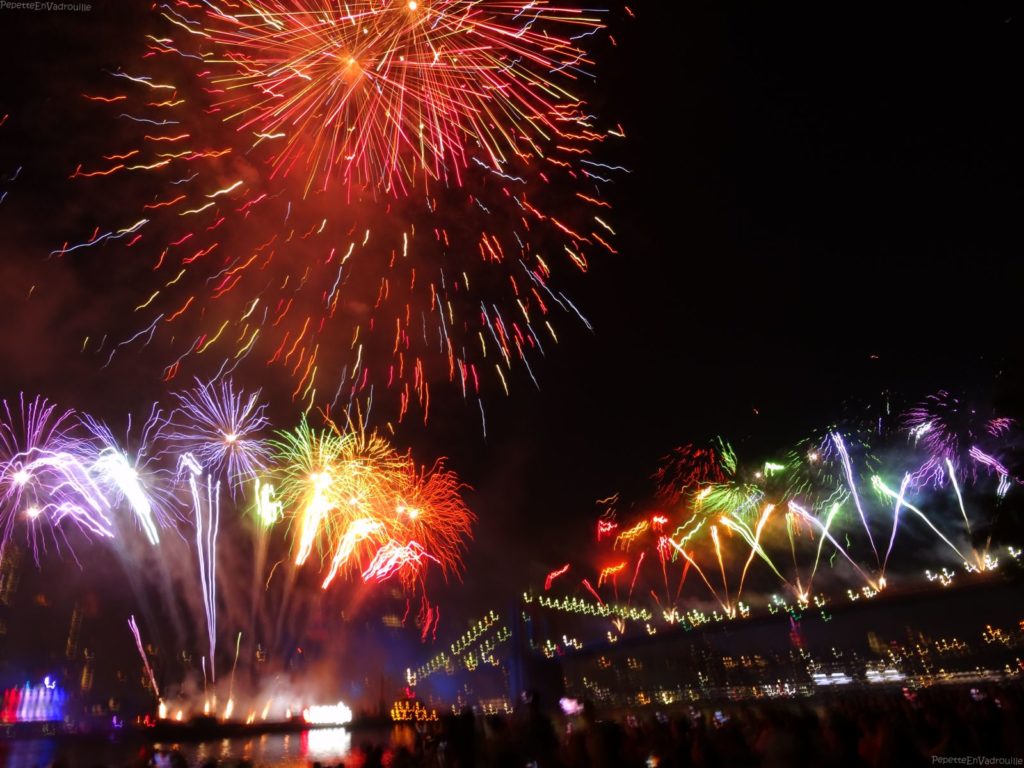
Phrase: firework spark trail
(733, 498)
(592, 591)
(605, 528)
(959, 496)
(989, 461)
(132, 480)
(627, 537)
(63, 489)
(813, 475)
(611, 573)
(805, 515)
(791, 533)
(848, 469)
(142, 654)
(690, 561)
(430, 511)
(114, 465)
(207, 526)
(1004, 486)
(316, 511)
(362, 491)
(356, 532)
(554, 575)
(636, 572)
(682, 580)
(694, 520)
(754, 540)
(721, 564)
(883, 488)
(268, 509)
(950, 429)
(663, 550)
(393, 558)
(306, 458)
(895, 520)
(688, 466)
(821, 541)
(231, 684)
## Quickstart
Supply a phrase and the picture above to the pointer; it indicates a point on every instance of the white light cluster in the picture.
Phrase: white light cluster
(327, 714)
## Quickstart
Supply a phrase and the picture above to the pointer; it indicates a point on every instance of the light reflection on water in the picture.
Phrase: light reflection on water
(278, 750)
(289, 750)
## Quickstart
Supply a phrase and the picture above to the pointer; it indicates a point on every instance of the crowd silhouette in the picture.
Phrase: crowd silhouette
(857, 729)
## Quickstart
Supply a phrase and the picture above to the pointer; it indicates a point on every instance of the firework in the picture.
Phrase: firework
(337, 487)
(950, 430)
(993, 464)
(429, 512)
(610, 573)
(306, 458)
(391, 93)
(902, 502)
(362, 529)
(628, 536)
(268, 508)
(554, 575)
(44, 476)
(753, 539)
(133, 480)
(142, 654)
(206, 516)
(719, 518)
(394, 558)
(366, 507)
(688, 467)
(737, 498)
(844, 455)
(815, 474)
(220, 428)
(358, 155)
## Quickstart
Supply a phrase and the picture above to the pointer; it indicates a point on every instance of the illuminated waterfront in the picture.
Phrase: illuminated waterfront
(279, 750)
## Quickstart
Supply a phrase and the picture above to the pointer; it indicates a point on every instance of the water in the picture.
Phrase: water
(292, 750)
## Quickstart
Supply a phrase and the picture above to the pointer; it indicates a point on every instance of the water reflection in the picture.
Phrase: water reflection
(298, 750)
(326, 744)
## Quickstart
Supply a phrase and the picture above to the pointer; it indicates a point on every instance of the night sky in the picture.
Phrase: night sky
(822, 205)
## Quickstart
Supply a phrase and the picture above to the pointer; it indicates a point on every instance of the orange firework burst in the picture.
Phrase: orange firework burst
(387, 92)
(431, 513)
(371, 196)
(366, 508)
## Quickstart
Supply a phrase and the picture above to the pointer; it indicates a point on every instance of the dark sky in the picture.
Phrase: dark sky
(822, 205)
